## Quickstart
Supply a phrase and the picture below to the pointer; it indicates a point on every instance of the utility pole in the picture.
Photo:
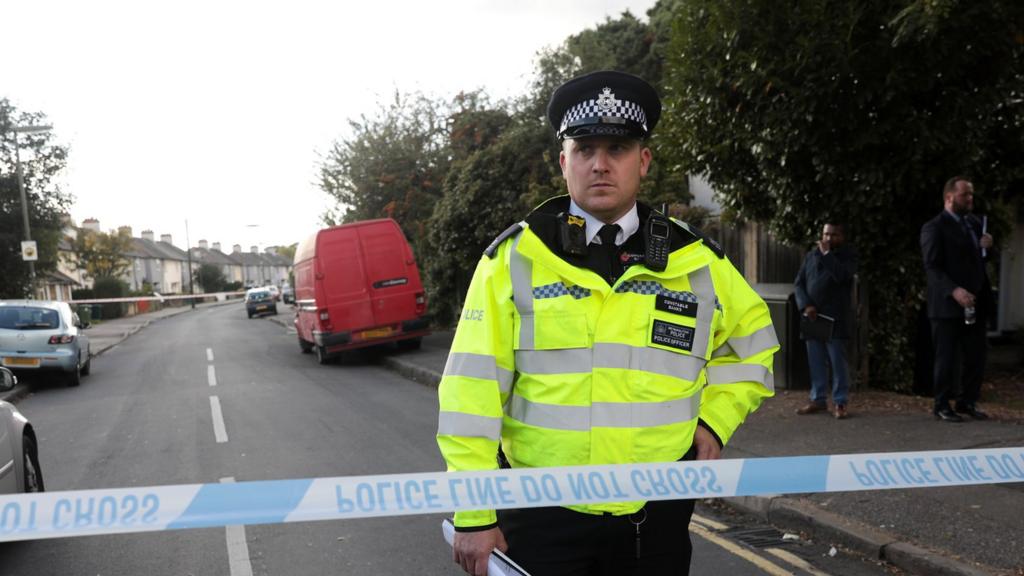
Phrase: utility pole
(24, 197)
(188, 251)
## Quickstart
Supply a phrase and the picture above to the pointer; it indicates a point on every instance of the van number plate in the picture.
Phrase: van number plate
(377, 333)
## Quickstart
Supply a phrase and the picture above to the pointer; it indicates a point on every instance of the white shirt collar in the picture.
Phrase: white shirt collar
(628, 224)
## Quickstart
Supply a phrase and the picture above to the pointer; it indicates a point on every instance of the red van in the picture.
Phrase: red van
(357, 285)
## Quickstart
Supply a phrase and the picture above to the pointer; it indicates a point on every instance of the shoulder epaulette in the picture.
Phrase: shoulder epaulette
(699, 234)
(508, 233)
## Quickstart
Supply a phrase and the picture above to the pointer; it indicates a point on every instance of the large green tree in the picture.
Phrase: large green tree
(855, 111)
(41, 161)
(391, 165)
(101, 255)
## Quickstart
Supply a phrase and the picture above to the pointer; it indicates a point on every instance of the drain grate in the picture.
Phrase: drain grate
(758, 537)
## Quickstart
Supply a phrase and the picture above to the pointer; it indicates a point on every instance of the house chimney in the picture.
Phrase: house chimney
(91, 224)
(202, 244)
(254, 249)
(236, 249)
(148, 235)
(216, 246)
(166, 238)
(271, 250)
(124, 230)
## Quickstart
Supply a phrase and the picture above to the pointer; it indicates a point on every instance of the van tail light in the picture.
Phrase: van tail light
(62, 339)
(421, 303)
(325, 319)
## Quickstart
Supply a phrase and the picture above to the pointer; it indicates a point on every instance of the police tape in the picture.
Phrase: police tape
(156, 508)
(220, 296)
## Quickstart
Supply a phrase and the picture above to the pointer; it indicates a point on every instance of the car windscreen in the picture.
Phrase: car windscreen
(259, 295)
(28, 318)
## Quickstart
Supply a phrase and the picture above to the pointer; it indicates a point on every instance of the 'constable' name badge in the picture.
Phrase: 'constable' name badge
(672, 335)
(675, 306)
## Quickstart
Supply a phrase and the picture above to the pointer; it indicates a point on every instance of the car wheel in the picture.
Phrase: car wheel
(250, 315)
(88, 366)
(74, 378)
(33, 473)
(306, 347)
(321, 355)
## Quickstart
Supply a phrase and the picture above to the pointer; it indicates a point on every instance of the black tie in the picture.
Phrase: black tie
(612, 267)
(607, 234)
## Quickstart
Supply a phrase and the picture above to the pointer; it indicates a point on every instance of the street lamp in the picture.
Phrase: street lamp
(21, 190)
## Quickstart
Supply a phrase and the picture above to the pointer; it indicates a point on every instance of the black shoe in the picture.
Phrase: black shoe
(973, 412)
(947, 415)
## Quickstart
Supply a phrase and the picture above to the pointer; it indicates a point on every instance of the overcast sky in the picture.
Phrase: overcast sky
(215, 111)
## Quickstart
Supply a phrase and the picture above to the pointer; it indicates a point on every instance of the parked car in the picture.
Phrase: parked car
(274, 292)
(357, 285)
(43, 336)
(287, 294)
(19, 450)
(259, 301)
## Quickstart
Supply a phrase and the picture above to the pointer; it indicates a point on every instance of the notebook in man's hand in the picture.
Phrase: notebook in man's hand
(818, 329)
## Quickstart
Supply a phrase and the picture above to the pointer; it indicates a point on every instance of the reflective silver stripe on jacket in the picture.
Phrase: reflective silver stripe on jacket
(732, 373)
(462, 424)
(759, 341)
(521, 270)
(604, 414)
(654, 360)
(609, 355)
(480, 366)
(704, 288)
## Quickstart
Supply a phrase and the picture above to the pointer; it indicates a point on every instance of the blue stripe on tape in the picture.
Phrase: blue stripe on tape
(783, 475)
(246, 503)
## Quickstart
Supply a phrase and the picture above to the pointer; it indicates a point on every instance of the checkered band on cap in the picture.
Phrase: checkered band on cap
(559, 289)
(608, 111)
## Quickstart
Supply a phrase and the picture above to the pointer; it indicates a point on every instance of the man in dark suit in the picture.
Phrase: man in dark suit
(955, 248)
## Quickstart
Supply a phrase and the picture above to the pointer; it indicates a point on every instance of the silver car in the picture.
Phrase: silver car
(19, 453)
(43, 335)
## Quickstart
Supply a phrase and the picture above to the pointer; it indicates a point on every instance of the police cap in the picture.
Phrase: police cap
(605, 103)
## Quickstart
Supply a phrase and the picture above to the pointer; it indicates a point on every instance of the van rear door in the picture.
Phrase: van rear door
(391, 273)
(342, 282)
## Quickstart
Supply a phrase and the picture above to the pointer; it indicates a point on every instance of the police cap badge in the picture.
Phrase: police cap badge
(605, 103)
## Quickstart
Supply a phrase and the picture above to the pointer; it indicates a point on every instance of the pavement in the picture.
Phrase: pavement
(955, 531)
(974, 530)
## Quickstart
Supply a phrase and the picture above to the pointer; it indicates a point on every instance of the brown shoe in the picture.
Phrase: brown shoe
(811, 408)
(840, 412)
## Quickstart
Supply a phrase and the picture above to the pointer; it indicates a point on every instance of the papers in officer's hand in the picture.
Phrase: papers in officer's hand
(818, 329)
(498, 564)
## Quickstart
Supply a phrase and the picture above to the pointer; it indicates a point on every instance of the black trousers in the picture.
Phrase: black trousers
(560, 542)
(960, 351)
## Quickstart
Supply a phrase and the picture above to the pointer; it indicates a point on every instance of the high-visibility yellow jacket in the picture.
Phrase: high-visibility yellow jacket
(563, 369)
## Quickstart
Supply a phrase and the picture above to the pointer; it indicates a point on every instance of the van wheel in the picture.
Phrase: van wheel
(410, 344)
(306, 347)
(33, 473)
(321, 355)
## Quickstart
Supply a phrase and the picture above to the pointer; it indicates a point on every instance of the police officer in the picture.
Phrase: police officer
(599, 331)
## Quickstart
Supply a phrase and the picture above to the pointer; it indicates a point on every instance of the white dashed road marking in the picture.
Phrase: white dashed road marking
(219, 431)
(209, 354)
(211, 375)
(239, 563)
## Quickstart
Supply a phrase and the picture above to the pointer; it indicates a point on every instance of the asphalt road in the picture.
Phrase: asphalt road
(211, 396)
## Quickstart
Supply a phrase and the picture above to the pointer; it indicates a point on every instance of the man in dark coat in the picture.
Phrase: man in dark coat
(955, 247)
(824, 286)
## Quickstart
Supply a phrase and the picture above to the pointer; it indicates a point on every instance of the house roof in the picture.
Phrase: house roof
(58, 277)
(207, 256)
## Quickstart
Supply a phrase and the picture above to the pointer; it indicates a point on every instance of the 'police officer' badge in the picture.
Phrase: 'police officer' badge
(606, 101)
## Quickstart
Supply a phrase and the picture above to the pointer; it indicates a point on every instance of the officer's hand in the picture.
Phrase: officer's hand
(986, 241)
(963, 297)
(706, 445)
(472, 549)
(811, 312)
